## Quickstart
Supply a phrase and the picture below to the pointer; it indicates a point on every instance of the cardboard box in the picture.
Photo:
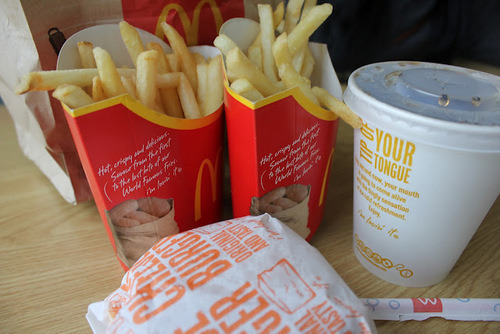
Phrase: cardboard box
(281, 141)
(139, 161)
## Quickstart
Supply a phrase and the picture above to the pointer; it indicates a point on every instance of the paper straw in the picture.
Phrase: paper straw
(466, 309)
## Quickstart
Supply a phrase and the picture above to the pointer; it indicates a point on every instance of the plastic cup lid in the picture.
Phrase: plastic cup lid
(443, 92)
(435, 103)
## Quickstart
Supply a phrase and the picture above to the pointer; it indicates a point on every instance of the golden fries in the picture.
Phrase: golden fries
(49, 80)
(132, 40)
(86, 56)
(186, 58)
(292, 14)
(73, 96)
(164, 82)
(299, 35)
(224, 44)
(246, 89)
(253, 75)
(146, 79)
(110, 78)
(215, 89)
(338, 107)
(97, 92)
(188, 98)
(238, 64)
(267, 39)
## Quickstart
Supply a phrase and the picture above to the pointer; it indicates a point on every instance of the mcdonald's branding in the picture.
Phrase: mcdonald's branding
(425, 305)
(325, 178)
(198, 20)
(213, 171)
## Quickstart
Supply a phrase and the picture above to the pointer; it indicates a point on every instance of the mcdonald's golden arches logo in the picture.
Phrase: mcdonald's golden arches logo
(191, 27)
(213, 171)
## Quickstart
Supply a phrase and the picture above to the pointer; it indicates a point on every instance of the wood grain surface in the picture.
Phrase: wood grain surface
(55, 258)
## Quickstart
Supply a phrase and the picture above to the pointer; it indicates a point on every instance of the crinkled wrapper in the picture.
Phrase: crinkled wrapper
(251, 274)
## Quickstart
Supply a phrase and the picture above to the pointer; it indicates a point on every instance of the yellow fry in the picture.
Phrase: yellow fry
(86, 56)
(252, 95)
(267, 40)
(241, 85)
(224, 44)
(97, 91)
(255, 55)
(308, 65)
(168, 80)
(215, 89)
(239, 66)
(178, 45)
(277, 21)
(167, 83)
(308, 5)
(110, 78)
(132, 40)
(198, 57)
(281, 52)
(174, 62)
(292, 78)
(73, 96)
(187, 98)
(278, 14)
(48, 80)
(202, 74)
(146, 79)
(163, 66)
(337, 107)
(292, 14)
(246, 89)
(298, 58)
(171, 102)
(129, 84)
(300, 34)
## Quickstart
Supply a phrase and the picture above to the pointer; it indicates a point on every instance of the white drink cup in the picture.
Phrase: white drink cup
(426, 166)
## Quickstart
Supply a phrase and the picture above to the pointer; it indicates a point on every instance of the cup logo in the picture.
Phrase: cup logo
(191, 27)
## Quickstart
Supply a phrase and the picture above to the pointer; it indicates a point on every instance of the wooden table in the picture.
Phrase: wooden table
(55, 258)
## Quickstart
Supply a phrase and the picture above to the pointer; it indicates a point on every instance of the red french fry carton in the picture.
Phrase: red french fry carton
(151, 175)
(281, 148)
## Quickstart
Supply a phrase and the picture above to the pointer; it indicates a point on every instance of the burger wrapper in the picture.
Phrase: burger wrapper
(251, 274)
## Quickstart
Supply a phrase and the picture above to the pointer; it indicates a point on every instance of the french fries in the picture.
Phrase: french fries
(329, 101)
(167, 83)
(146, 79)
(110, 78)
(187, 60)
(132, 40)
(73, 96)
(253, 75)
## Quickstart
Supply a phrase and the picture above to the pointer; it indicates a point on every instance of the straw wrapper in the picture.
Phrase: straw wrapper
(465, 309)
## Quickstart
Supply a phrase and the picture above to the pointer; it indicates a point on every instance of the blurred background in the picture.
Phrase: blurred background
(457, 32)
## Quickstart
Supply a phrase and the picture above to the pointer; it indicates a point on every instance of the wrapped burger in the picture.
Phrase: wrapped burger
(251, 274)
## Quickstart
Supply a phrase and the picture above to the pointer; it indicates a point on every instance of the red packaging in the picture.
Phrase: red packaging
(142, 166)
(282, 142)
